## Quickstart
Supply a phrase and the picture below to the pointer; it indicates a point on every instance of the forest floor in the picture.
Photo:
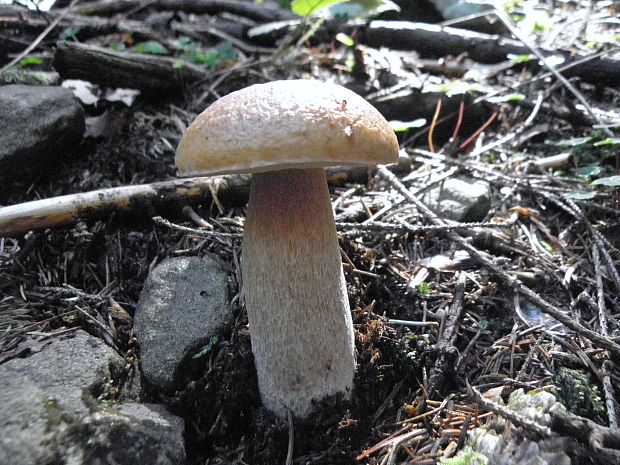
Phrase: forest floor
(523, 296)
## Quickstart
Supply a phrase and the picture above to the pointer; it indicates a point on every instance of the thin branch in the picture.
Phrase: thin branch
(39, 38)
(505, 278)
(603, 318)
(565, 82)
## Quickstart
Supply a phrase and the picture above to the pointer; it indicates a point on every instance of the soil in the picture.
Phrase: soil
(108, 260)
(89, 275)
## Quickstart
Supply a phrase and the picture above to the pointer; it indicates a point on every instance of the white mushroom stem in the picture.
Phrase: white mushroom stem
(295, 292)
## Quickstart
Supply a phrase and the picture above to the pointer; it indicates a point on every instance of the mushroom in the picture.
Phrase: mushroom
(285, 132)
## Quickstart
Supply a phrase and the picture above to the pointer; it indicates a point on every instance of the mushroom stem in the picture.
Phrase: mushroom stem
(295, 292)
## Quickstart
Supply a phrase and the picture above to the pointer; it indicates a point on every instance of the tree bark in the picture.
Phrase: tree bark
(147, 73)
(437, 41)
(261, 13)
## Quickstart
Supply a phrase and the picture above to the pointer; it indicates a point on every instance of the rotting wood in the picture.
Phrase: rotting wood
(432, 40)
(250, 10)
(601, 444)
(102, 66)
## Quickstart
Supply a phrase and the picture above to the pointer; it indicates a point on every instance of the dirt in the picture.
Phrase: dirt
(110, 259)
(90, 274)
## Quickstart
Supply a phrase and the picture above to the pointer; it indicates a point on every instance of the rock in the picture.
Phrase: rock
(39, 124)
(37, 390)
(460, 199)
(132, 434)
(184, 303)
(48, 404)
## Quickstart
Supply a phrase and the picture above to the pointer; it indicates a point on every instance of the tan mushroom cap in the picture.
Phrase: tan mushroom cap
(283, 125)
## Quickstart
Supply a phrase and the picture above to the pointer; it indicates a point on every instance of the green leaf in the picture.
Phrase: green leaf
(588, 171)
(574, 142)
(210, 59)
(29, 61)
(506, 98)
(69, 33)
(151, 47)
(580, 195)
(360, 9)
(424, 288)
(308, 7)
(178, 64)
(548, 247)
(457, 88)
(608, 141)
(402, 126)
(227, 52)
(207, 348)
(521, 58)
(222, 53)
(345, 39)
(611, 181)
(185, 43)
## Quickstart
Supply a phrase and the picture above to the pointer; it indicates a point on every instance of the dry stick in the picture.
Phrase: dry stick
(603, 320)
(197, 232)
(240, 8)
(602, 444)
(515, 418)
(434, 40)
(291, 438)
(506, 279)
(574, 210)
(39, 38)
(609, 262)
(446, 352)
(565, 82)
(433, 125)
(132, 200)
(63, 210)
(473, 137)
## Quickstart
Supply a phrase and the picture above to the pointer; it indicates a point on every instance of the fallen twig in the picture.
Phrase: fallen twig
(446, 353)
(138, 201)
(529, 426)
(504, 277)
(432, 40)
(250, 10)
(39, 38)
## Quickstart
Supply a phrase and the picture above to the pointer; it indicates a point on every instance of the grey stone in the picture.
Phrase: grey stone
(184, 303)
(460, 199)
(39, 124)
(37, 390)
(48, 404)
(130, 434)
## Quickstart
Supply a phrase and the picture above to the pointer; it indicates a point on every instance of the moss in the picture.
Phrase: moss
(467, 456)
(575, 390)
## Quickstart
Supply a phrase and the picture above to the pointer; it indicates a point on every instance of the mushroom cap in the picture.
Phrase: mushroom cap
(283, 125)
